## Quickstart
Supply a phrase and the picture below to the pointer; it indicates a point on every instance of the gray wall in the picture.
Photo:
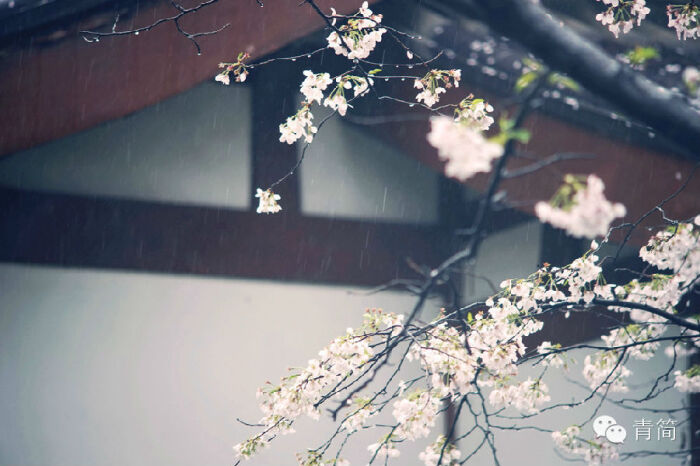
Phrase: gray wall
(108, 368)
(510, 253)
(193, 148)
(348, 174)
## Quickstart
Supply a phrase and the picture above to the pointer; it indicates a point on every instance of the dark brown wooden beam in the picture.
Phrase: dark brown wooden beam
(274, 101)
(79, 231)
(58, 84)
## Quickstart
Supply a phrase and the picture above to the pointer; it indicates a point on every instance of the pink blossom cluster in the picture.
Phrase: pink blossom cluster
(415, 414)
(362, 410)
(299, 392)
(587, 214)
(384, 449)
(527, 396)
(635, 333)
(604, 370)
(431, 454)
(685, 19)
(268, 202)
(593, 452)
(688, 381)
(677, 251)
(465, 149)
(299, 126)
(434, 83)
(337, 100)
(314, 84)
(359, 36)
(621, 15)
(475, 113)
(691, 78)
(238, 69)
(553, 358)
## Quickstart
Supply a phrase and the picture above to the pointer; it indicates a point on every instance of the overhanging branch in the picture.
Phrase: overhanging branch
(566, 51)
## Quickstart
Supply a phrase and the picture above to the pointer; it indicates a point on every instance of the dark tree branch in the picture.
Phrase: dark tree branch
(529, 169)
(566, 51)
(94, 36)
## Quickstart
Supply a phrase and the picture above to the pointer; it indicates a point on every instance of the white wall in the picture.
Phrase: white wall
(511, 253)
(111, 368)
(349, 174)
(193, 148)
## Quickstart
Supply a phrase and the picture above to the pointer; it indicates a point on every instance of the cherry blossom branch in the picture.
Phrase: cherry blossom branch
(532, 168)
(632, 226)
(565, 50)
(94, 36)
(671, 317)
(497, 175)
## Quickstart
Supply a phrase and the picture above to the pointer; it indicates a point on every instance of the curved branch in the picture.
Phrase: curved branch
(566, 51)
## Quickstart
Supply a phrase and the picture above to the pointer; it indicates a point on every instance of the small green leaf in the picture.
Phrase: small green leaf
(560, 80)
(375, 71)
(521, 135)
(640, 55)
(505, 124)
(525, 80)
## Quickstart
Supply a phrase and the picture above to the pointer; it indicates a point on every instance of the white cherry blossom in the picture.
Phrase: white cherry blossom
(314, 84)
(593, 452)
(359, 37)
(527, 396)
(685, 19)
(298, 126)
(415, 414)
(434, 83)
(691, 78)
(621, 15)
(586, 213)
(465, 149)
(384, 449)
(688, 381)
(431, 454)
(268, 202)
